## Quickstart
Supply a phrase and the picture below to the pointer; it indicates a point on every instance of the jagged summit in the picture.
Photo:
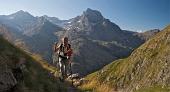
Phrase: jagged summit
(93, 15)
(50, 18)
(55, 20)
(22, 14)
(42, 19)
(21, 11)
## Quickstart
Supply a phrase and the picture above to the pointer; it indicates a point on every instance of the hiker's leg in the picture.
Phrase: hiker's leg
(55, 60)
(61, 67)
(67, 67)
(60, 64)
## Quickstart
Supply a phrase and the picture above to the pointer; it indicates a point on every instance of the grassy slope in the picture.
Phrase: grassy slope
(142, 69)
(36, 79)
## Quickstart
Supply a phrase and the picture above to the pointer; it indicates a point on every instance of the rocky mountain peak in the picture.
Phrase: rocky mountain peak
(21, 14)
(92, 15)
(51, 18)
(42, 19)
(55, 20)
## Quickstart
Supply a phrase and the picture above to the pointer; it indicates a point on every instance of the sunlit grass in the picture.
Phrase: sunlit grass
(154, 89)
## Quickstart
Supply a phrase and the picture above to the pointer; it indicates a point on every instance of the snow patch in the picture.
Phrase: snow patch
(140, 31)
(69, 22)
(79, 21)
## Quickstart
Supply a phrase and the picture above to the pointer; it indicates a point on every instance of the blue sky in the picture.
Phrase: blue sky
(135, 15)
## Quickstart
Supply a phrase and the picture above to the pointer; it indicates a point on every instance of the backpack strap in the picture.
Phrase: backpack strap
(61, 47)
(69, 46)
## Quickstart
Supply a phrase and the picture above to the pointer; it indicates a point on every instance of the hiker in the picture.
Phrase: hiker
(64, 52)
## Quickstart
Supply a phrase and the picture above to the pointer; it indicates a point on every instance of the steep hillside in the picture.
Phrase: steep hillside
(145, 70)
(36, 78)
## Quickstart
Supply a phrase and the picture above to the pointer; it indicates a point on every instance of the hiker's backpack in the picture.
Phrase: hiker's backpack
(62, 50)
(59, 53)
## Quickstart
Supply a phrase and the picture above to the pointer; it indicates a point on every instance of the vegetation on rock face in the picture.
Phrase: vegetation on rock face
(146, 69)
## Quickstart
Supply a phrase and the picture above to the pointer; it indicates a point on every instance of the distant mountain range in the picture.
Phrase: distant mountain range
(33, 32)
(96, 41)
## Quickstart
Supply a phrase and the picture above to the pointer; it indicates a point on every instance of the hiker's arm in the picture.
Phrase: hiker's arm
(56, 48)
(69, 53)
